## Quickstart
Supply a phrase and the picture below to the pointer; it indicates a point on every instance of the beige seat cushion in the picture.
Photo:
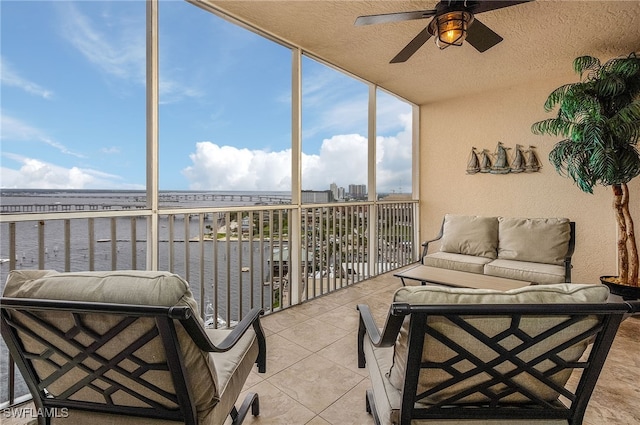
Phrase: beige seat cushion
(526, 270)
(437, 352)
(232, 367)
(538, 240)
(127, 287)
(460, 262)
(470, 235)
(388, 398)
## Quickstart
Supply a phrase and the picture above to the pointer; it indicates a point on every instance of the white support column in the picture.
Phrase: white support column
(372, 189)
(295, 242)
(152, 133)
(415, 178)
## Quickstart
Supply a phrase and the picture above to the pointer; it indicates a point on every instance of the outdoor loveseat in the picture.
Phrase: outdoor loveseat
(126, 348)
(529, 249)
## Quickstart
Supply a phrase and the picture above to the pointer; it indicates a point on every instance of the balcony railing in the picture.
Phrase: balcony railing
(271, 256)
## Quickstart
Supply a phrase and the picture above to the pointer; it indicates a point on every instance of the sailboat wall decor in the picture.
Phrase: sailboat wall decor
(473, 164)
(518, 164)
(533, 164)
(501, 165)
(500, 162)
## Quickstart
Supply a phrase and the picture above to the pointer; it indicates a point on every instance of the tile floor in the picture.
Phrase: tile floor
(312, 375)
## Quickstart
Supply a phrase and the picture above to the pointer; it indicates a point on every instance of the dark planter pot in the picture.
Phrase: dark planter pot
(626, 292)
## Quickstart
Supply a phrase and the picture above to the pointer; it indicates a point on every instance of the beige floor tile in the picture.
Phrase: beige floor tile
(313, 334)
(344, 317)
(342, 353)
(282, 353)
(283, 319)
(347, 295)
(316, 382)
(317, 421)
(277, 408)
(350, 409)
(316, 307)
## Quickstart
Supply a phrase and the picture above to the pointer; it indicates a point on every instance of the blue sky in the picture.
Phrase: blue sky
(73, 105)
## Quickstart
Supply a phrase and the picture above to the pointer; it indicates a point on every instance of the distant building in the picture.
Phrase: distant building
(337, 192)
(358, 191)
(317, 196)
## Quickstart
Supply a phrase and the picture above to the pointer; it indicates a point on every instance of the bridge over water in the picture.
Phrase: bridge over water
(130, 202)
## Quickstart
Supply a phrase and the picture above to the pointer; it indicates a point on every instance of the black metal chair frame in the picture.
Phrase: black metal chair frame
(602, 335)
(567, 257)
(164, 317)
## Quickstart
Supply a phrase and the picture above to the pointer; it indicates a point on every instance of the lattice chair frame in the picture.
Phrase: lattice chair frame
(471, 387)
(52, 344)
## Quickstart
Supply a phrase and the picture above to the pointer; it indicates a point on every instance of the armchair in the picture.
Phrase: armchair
(126, 348)
(470, 356)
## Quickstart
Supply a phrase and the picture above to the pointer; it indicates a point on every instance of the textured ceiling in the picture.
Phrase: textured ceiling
(541, 39)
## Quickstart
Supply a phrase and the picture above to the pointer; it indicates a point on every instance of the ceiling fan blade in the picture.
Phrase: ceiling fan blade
(481, 37)
(412, 47)
(394, 17)
(487, 5)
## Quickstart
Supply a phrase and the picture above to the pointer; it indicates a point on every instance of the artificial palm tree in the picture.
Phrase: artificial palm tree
(599, 116)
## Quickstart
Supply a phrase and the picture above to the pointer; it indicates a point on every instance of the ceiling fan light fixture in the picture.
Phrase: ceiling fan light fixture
(450, 29)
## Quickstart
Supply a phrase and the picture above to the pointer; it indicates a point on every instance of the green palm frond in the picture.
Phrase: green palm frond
(585, 63)
(555, 126)
(557, 96)
(629, 115)
(611, 85)
(599, 119)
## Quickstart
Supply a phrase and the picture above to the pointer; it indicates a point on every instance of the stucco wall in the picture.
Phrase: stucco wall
(448, 132)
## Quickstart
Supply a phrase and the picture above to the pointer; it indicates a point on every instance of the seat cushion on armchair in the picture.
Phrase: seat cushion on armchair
(525, 270)
(232, 367)
(460, 262)
(538, 240)
(436, 351)
(128, 287)
(470, 235)
(388, 398)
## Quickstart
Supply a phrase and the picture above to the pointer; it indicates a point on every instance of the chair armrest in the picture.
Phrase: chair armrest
(198, 334)
(367, 326)
(567, 257)
(634, 307)
(425, 245)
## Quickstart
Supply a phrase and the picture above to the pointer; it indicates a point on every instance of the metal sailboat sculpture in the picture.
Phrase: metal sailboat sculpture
(519, 162)
(533, 164)
(501, 165)
(500, 162)
(485, 161)
(473, 165)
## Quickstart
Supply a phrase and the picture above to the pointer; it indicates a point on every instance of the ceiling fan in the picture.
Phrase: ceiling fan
(453, 22)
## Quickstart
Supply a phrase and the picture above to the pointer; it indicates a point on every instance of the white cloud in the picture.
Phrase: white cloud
(229, 168)
(38, 174)
(9, 77)
(117, 46)
(172, 91)
(113, 150)
(15, 130)
(394, 159)
(332, 102)
(119, 52)
(342, 159)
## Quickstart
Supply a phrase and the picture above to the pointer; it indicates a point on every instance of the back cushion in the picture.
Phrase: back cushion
(539, 240)
(126, 287)
(470, 235)
(435, 351)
